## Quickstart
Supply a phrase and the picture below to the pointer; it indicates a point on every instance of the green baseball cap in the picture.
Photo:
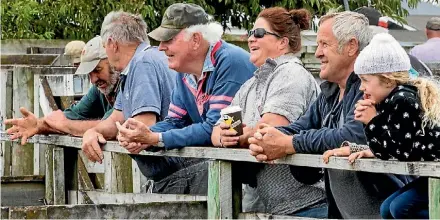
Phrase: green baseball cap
(92, 53)
(177, 17)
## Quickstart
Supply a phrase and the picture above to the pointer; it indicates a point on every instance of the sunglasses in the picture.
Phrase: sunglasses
(260, 32)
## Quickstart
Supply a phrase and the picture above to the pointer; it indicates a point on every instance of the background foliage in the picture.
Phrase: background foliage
(81, 19)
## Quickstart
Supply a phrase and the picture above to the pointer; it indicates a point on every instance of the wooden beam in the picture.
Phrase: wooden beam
(118, 173)
(309, 160)
(266, 216)
(155, 210)
(434, 198)
(68, 84)
(23, 89)
(59, 189)
(98, 197)
(220, 190)
(5, 113)
(49, 177)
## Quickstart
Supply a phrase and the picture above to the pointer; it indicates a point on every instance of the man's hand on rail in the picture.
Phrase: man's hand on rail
(135, 136)
(24, 127)
(268, 143)
(91, 145)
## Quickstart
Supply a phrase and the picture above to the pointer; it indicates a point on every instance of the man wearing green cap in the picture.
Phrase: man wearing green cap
(210, 72)
(95, 105)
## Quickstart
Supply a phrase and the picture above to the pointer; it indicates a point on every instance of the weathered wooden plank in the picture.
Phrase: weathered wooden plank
(29, 212)
(69, 84)
(27, 59)
(118, 173)
(220, 190)
(267, 216)
(434, 198)
(43, 50)
(49, 174)
(23, 88)
(159, 210)
(5, 113)
(23, 193)
(310, 160)
(85, 183)
(59, 189)
(47, 102)
(98, 197)
(28, 178)
(5, 213)
(90, 166)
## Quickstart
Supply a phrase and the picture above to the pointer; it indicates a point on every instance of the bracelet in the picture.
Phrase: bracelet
(355, 147)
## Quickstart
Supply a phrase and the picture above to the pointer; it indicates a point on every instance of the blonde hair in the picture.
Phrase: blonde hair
(429, 93)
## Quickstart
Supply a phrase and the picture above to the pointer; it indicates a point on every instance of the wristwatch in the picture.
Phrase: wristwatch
(160, 143)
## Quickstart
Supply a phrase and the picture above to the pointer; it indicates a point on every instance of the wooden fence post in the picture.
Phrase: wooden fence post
(5, 113)
(118, 173)
(434, 198)
(49, 175)
(23, 88)
(59, 187)
(220, 190)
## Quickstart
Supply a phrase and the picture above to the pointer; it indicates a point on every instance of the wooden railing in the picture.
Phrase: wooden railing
(224, 193)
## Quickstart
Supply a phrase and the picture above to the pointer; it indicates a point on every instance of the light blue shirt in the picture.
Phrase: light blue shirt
(429, 51)
(148, 84)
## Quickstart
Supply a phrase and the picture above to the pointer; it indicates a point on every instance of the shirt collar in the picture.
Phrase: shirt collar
(271, 63)
(434, 39)
(208, 66)
(330, 89)
(140, 48)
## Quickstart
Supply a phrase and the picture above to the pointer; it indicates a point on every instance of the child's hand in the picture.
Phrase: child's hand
(365, 111)
(360, 154)
(338, 152)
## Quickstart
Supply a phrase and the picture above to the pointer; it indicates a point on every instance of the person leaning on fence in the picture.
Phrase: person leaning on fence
(429, 52)
(210, 73)
(145, 80)
(280, 91)
(377, 25)
(73, 50)
(330, 121)
(97, 104)
(402, 120)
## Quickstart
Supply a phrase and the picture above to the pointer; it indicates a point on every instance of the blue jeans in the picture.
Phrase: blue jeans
(318, 212)
(411, 201)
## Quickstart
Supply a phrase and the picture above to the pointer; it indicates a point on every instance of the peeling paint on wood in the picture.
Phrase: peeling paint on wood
(158, 210)
(434, 198)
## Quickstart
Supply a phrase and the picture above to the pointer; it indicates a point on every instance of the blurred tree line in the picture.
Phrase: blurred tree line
(81, 19)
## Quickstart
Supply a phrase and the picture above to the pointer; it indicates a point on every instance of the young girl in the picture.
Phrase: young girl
(402, 120)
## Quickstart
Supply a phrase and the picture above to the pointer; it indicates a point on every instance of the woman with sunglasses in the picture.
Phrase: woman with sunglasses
(280, 91)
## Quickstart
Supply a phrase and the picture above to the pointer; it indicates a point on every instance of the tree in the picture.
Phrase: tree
(81, 19)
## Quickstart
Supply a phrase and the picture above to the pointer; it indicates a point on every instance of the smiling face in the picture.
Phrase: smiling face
(333, 60)
(103, 77)
(267, 46)
(178, 50)
(374, 88)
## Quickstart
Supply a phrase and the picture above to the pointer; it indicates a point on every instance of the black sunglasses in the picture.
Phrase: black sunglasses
(260, 32)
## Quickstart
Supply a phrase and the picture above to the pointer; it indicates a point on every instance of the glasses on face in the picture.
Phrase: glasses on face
(260, 32)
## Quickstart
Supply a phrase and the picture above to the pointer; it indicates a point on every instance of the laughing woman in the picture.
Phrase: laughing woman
(280, 91)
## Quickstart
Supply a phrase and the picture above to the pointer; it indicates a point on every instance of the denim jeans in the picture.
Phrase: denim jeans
(411, 201)
(320, 212)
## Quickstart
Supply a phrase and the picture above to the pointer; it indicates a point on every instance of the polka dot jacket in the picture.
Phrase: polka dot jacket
(397, 132)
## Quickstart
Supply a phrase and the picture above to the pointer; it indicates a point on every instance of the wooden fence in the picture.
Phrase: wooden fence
(224, 193)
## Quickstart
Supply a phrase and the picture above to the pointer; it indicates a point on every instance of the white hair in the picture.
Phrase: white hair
(124, 27)
(348, 25)
(211, 32)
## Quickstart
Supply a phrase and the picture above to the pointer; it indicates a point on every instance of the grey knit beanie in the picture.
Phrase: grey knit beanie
(383, 55)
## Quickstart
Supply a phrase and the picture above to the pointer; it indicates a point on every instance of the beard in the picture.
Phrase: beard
(114, 78)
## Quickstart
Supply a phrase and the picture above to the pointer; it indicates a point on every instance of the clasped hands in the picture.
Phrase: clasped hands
(135, 136)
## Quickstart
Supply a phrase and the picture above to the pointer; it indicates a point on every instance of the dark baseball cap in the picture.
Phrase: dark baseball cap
(177, 17)
(372, 14)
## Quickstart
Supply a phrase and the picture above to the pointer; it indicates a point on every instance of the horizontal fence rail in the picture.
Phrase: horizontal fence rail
(431, 169)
